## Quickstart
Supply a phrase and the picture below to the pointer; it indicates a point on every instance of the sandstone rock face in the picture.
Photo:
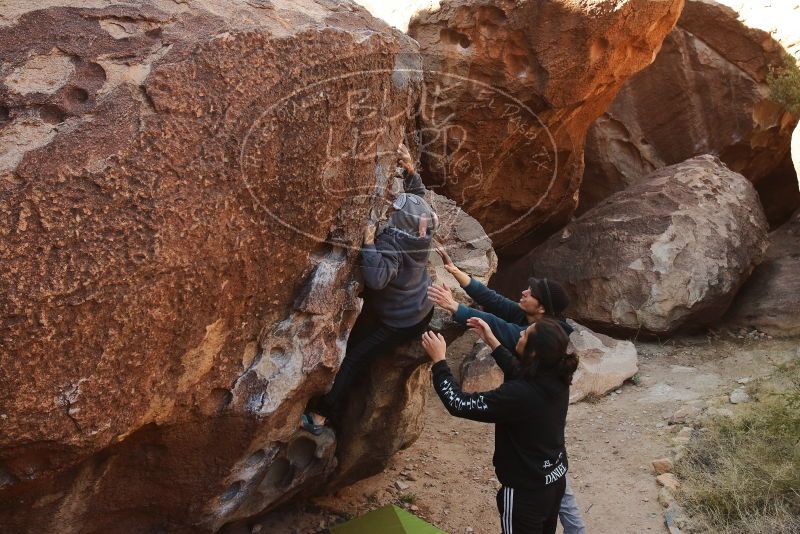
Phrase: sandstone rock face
(664, 255)
(511, 89)
(769, 300)
(466, 243)
(478, 370)
(779, 193)
(706, 93)
(604, 363)
(184, 188)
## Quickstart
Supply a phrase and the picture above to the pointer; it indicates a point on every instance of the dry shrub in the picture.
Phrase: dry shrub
(784, 84)
(742, 475)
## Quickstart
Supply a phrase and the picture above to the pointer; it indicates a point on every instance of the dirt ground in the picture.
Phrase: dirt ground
(447, 478)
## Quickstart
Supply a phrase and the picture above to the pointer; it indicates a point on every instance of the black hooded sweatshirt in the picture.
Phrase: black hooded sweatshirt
(529, 416)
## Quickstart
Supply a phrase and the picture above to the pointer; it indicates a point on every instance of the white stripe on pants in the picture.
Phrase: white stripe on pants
(508, 510)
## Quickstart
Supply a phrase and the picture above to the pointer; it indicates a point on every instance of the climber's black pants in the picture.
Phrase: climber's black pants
(368, 340)
(530, 512)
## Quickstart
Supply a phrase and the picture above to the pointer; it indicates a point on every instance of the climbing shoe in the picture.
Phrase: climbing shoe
(307, 424)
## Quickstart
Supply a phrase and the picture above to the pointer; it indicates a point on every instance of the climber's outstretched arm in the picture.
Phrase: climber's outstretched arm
(412, 182)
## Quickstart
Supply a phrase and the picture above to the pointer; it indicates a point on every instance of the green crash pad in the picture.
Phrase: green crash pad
(387, 520)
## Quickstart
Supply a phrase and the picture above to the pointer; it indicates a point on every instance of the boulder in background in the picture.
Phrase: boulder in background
(478, 371)
(770, 300)
(706, 93)
(665, 255)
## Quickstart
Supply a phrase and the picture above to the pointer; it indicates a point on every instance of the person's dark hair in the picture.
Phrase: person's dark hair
(550, 294)
(546, 352)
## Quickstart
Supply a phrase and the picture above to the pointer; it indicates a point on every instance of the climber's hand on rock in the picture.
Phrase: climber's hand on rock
(482, 329)
(441, 296)
(435, 345)
(404, 158)
(369, 233)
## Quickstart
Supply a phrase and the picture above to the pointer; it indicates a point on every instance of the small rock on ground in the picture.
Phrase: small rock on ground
(662, 465)
(739, 396)
(669, 481)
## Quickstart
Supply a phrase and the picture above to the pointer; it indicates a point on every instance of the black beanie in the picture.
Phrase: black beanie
(550, 294)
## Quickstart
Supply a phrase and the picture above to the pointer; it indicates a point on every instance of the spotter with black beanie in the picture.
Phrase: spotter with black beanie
(542, 298)
(529, 412)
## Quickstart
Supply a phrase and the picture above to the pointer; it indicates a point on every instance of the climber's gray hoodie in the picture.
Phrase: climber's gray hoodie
(395, 267)
(395, 272)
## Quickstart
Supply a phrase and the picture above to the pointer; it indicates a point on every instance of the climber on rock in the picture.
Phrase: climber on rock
(394, 267)
(508, 320)
(529, 411)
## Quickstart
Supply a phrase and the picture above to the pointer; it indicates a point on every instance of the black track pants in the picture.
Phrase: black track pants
(529, 512)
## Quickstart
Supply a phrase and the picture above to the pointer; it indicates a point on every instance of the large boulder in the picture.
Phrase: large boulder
(781, 20)
(184, 191)
(706, 93)
(664, 255)
(511, 89)
(770, 300)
